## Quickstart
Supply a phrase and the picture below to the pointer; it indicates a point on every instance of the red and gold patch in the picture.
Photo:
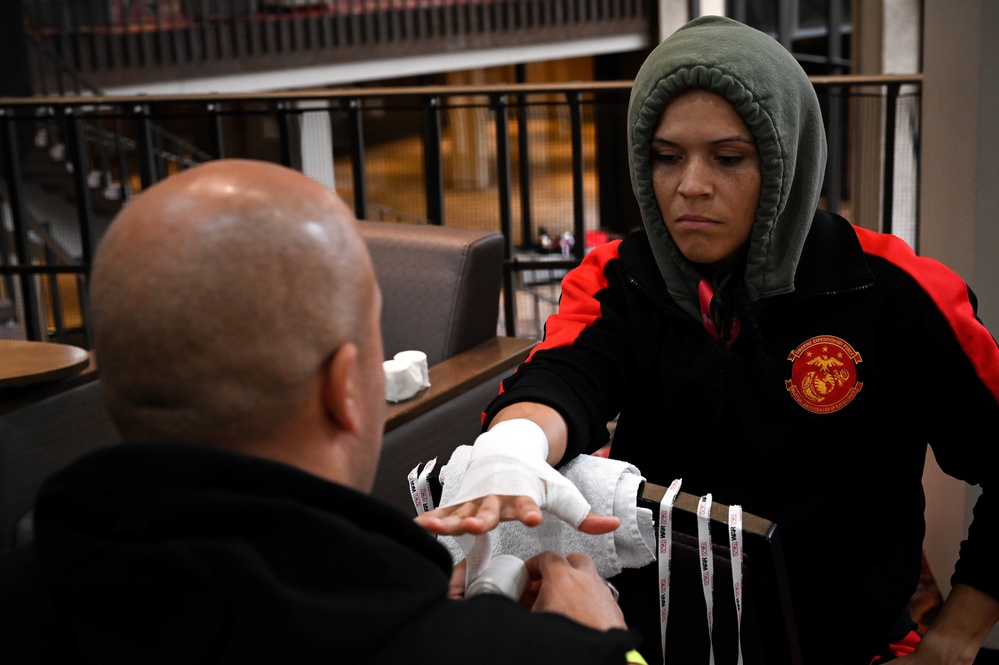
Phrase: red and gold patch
(824, 374)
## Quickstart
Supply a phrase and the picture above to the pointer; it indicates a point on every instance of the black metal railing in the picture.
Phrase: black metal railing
(117, 44)
(535, 162)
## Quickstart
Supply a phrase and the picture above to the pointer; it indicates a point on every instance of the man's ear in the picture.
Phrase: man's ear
(340, 388)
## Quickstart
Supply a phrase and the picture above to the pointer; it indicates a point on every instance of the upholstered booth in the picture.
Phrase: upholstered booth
(441, 291)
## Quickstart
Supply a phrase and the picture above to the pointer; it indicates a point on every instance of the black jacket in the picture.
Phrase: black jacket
(159, 552)
(816, 418)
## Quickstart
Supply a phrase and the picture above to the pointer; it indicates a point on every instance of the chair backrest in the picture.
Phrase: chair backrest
(440, 286)
(768, 633)
(42, 432)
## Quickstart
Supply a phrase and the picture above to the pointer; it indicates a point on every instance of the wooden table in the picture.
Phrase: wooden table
(26, 363)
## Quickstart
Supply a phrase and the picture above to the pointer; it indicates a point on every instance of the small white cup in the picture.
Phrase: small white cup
(418, 358)
(402, 380)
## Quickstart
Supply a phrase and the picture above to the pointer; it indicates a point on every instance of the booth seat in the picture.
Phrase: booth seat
(441, 290)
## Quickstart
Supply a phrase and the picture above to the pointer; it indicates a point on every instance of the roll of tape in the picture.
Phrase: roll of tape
(402, 380)
(418, 358)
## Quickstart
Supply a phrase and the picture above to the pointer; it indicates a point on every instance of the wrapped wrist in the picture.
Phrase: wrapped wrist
(519, 437)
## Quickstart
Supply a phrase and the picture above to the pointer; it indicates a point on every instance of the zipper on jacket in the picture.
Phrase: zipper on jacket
(836, 292)
(665, 306)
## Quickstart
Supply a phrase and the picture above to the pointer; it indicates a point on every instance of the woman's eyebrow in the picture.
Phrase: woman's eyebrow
(735, 138)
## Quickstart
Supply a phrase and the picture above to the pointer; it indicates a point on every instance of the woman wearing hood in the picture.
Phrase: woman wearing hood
(765, 352)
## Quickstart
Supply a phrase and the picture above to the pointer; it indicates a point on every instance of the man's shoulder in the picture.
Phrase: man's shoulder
(27, 617)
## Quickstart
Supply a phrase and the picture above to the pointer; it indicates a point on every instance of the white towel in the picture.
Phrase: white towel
(611, 488)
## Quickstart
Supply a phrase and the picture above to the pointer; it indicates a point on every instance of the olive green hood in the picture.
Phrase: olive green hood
(774, 96)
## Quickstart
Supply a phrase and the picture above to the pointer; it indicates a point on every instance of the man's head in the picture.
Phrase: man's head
(235, 304)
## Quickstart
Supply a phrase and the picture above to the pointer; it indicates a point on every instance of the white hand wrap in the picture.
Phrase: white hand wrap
(510, 460)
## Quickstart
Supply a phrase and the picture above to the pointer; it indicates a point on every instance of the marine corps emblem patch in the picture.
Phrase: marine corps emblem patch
(824, 374)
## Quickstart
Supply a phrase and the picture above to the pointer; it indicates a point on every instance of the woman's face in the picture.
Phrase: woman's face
(706, 176)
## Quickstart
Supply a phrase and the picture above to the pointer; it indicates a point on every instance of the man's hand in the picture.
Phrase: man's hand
(456, 585)
(569, 585)
(508, 477)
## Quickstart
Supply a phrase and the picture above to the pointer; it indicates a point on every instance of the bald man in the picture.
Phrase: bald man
(236, 320)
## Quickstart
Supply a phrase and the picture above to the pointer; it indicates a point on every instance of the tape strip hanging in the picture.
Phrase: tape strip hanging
(735, 547)
(666, 554)
(707, 566)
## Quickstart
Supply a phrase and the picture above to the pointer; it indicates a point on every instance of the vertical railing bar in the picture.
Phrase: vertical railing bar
(303, 28)
(320, 28)
(503, 177)
(83, 18)
(84, 302)
(125, 173)
(222, 50)
(280, 32)
(144, 146)
(578, 208)
(176, 46)
(103, 148)
(834, 137)
(215, 134)
(284, 118)
(524, 170)
(355, 110)
(434, 29)
(202, 33)
(314, 28)
(144, 47)
(834, 45)
(253, 28)
(350, 28)
(76, 144)
(114, 51)
(159, 152)
(420, 19)
(738, 9)
(236, 47)
(370, 27)
(888, 185)
(55, 299)
(15, 197)
(266, 25)
(300, 29)
(406, 23)
(433, 161)
(917, 133)
(381, 30)
(92, 41)
(785, 23)
(393, 22)
(162, 43)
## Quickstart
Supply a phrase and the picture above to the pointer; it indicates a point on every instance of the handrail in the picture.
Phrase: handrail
(508, 127)
(192, 39)
(409, 91)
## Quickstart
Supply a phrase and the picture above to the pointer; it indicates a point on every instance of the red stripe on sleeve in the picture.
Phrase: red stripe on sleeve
(578, 306)
(950, 293)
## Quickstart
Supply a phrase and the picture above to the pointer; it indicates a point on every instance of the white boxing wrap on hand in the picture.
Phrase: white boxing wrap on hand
(510, 460)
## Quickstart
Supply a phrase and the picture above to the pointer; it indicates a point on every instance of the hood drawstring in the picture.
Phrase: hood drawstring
(706, 294)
